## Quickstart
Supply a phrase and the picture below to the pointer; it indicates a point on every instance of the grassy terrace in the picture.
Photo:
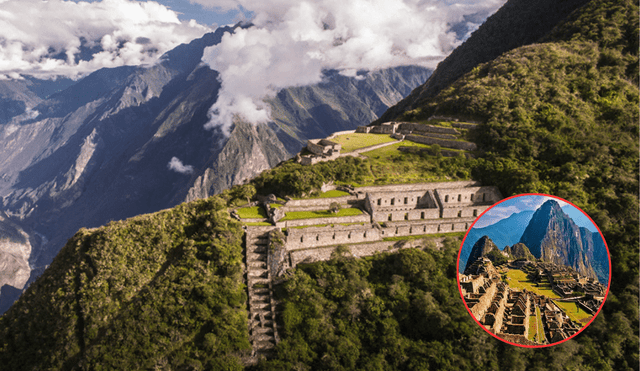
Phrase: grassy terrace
(574, 312)
(421, 236)
(536, 329)
(296, 215)
(328, 194)
(355, 141)
(254, 212)
(517, 279)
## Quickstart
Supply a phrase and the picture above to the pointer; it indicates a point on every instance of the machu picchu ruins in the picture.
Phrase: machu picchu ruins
(526, 316)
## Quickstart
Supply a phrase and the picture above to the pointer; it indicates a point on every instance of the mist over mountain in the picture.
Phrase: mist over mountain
(130, 140)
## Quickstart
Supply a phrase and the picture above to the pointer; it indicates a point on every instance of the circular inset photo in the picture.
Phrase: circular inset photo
(534, 270)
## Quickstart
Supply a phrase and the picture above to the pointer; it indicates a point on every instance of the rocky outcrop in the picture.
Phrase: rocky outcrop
(519, 251)
(481, 248)
(553, 237)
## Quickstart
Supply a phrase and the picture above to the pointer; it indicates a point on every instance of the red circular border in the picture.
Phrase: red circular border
(496, 336)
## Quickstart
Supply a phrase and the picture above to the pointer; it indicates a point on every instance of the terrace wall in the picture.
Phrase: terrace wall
(363, 218)
(467, 146)
(319, 203)
(325, 236)
(360, 250)
(407, 127)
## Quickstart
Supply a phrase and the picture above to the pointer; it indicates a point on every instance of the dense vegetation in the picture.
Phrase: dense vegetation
(156, 291)
(391, 311)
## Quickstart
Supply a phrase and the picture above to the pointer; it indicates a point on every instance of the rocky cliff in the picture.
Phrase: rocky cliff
(483, 247)
(519, 251)
(553, 237)
(131, 140)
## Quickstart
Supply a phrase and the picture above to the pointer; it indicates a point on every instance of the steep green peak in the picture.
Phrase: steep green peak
(481, 248)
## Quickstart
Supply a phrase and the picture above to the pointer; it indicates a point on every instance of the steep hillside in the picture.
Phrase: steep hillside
(561, 117)
(516, 23)
(100, 150)
(483, 247)
(157, 291)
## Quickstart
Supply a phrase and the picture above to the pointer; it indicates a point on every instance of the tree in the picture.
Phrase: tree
(334, 207)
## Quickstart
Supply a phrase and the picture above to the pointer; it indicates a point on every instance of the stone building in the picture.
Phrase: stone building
(322, 150)
(387, 211)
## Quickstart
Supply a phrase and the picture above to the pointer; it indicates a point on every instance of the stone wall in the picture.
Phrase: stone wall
(409, 127)
(467, 146)
(484, 301)
(467, 196)
(403, 215)
(364, 218)
(304, 238)
(320, 203)
(359, 250)
(337, 133)
(464, 211)
(400, 188)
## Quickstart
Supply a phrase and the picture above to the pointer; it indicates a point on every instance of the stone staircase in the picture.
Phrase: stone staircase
(262, 326)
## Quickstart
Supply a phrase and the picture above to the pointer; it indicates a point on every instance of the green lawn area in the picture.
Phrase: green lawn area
(334, 193)
(354, 141)
(517, 279)
(296, 215)
(328, 194)
(259, 224)
(574, 312)
(536, 329)
(253, 212)
(385, 153)
(417, 237)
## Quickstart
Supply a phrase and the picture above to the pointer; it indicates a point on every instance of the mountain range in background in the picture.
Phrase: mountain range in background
(131, 140)
(548, 234)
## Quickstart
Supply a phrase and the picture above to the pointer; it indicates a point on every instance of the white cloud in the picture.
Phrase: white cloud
(293, 41)
(46, 38)
(513, 206)
(176, 165)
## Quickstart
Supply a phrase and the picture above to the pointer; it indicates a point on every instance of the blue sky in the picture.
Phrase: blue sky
(530, 203)
(208, 16)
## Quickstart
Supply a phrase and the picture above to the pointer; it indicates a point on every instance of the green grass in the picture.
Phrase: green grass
(328, 194)
(421, 236)
(258, 224)
(355, 141)
(574, 312)
(334, 193)
(536, 329)
(385, 153)
(254, 212)
(296, 215)
(517, 279)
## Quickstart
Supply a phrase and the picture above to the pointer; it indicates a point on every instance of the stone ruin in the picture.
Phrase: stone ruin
(321, 150)
(387, 211)
(506, 312)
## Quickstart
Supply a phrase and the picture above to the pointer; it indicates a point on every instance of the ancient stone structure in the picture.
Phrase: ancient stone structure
(507, 312)
(322, 150)
(387, 211)
(262, 324)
